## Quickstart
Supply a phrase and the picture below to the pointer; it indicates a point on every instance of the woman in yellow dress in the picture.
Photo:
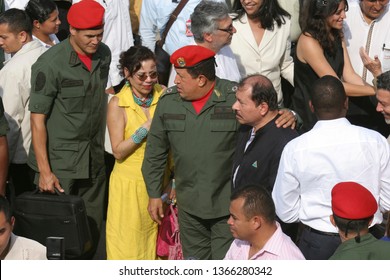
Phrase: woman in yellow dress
(130, 232)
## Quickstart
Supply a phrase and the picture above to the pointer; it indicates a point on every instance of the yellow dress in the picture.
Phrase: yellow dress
(130, 232)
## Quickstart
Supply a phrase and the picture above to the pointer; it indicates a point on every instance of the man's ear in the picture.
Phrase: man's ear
(264, 108)
(311, 106)
(208, 37)
(331, 218)
(256, 222)
(72, 30)
(12, 222)
(202, 80)
(23, 36)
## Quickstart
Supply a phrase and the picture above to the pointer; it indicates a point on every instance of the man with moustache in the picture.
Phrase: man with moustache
(68, 105)
(196, 122)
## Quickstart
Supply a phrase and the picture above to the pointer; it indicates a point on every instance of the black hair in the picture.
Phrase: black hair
(205, 68)
(5, 208)
(40, 10)
(257, 201)
(328, 97)
(133, 57)
(312, 20)
(17, 21)
(269, 12)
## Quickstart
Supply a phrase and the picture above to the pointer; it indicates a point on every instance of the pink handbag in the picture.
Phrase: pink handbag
(168, 239)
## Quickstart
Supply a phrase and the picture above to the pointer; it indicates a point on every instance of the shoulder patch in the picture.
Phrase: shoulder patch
(40, 81)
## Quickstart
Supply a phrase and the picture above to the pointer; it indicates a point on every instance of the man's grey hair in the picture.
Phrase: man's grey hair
(383, 81)
(205, 18)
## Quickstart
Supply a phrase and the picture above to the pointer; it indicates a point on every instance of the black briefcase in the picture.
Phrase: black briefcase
(42, 215)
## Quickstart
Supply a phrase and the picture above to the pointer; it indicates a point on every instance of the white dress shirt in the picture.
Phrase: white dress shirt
(154, 17)
(271, 58)
(15, 86)
(356, 33)
(333, 151)
(22, 248)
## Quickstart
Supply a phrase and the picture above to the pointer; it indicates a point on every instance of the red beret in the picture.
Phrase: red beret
(86, 14)
(190, 56)
(352, 201)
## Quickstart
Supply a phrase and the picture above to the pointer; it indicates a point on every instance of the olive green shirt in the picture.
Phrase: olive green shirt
(3, 121)
(202, 147)
(369, 248)
(75, 102)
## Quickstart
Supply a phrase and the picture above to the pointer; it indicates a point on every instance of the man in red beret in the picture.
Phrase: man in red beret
(195, 120)
(353, 208)
(68, 105)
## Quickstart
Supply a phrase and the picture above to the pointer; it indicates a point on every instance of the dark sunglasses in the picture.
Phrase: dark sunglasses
(227, 30)
(143, 76)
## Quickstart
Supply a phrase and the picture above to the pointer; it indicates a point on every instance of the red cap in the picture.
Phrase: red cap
(352, 201)
(190, 56)
(86, 14)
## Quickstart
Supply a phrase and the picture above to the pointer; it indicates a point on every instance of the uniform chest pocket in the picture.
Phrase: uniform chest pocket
(174, 122)
(72, 99)
(223, 122)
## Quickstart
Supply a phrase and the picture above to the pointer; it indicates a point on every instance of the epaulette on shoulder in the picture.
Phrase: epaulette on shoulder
(169, 91)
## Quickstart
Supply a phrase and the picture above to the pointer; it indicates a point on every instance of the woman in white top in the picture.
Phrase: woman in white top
(45, 20)
(261, 44)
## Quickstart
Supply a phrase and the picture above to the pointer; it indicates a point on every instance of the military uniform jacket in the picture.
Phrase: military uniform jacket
(369, 248)
(202, 147)
(74, 100)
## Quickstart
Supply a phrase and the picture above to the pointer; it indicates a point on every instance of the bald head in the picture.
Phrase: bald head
(262, 90)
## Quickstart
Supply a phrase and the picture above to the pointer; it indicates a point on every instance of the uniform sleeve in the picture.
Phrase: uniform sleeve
(156, 154)
(286, 192)
(148, 24)
(44, 88)
(3, 121)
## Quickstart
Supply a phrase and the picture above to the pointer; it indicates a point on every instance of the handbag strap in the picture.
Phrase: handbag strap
(171, 20)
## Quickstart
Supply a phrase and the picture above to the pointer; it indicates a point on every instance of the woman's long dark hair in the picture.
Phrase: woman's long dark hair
(312, 20)
(40, 10)
(269, 12)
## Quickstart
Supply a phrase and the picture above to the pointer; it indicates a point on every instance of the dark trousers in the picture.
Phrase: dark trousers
(315, 246)
(21, 177)
(204, 239)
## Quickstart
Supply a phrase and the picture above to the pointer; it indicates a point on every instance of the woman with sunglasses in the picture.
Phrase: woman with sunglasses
(44, 17)
(131, 233)
(321, 50)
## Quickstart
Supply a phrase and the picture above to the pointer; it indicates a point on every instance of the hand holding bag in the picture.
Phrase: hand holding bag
(168, 239)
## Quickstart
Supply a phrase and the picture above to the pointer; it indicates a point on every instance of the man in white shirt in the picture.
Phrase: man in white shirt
(383, 96)
(212, 28)
(16, 40)
(333, 151)
(367, 26)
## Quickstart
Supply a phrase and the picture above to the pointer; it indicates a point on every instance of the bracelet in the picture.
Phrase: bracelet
(139, 135)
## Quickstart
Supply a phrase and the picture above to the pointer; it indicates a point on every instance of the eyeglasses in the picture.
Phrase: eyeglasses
(143, 76)
(228, 30)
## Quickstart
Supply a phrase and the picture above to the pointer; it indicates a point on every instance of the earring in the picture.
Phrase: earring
(127, 83)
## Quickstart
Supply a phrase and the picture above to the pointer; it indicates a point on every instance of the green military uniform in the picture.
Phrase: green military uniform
(202, 147)
(369, 248)
(3, 121)
(74, 100)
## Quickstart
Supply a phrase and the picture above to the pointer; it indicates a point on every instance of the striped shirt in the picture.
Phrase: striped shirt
(278, 247)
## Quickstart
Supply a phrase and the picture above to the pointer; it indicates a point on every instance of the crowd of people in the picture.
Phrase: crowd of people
(272, 124)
